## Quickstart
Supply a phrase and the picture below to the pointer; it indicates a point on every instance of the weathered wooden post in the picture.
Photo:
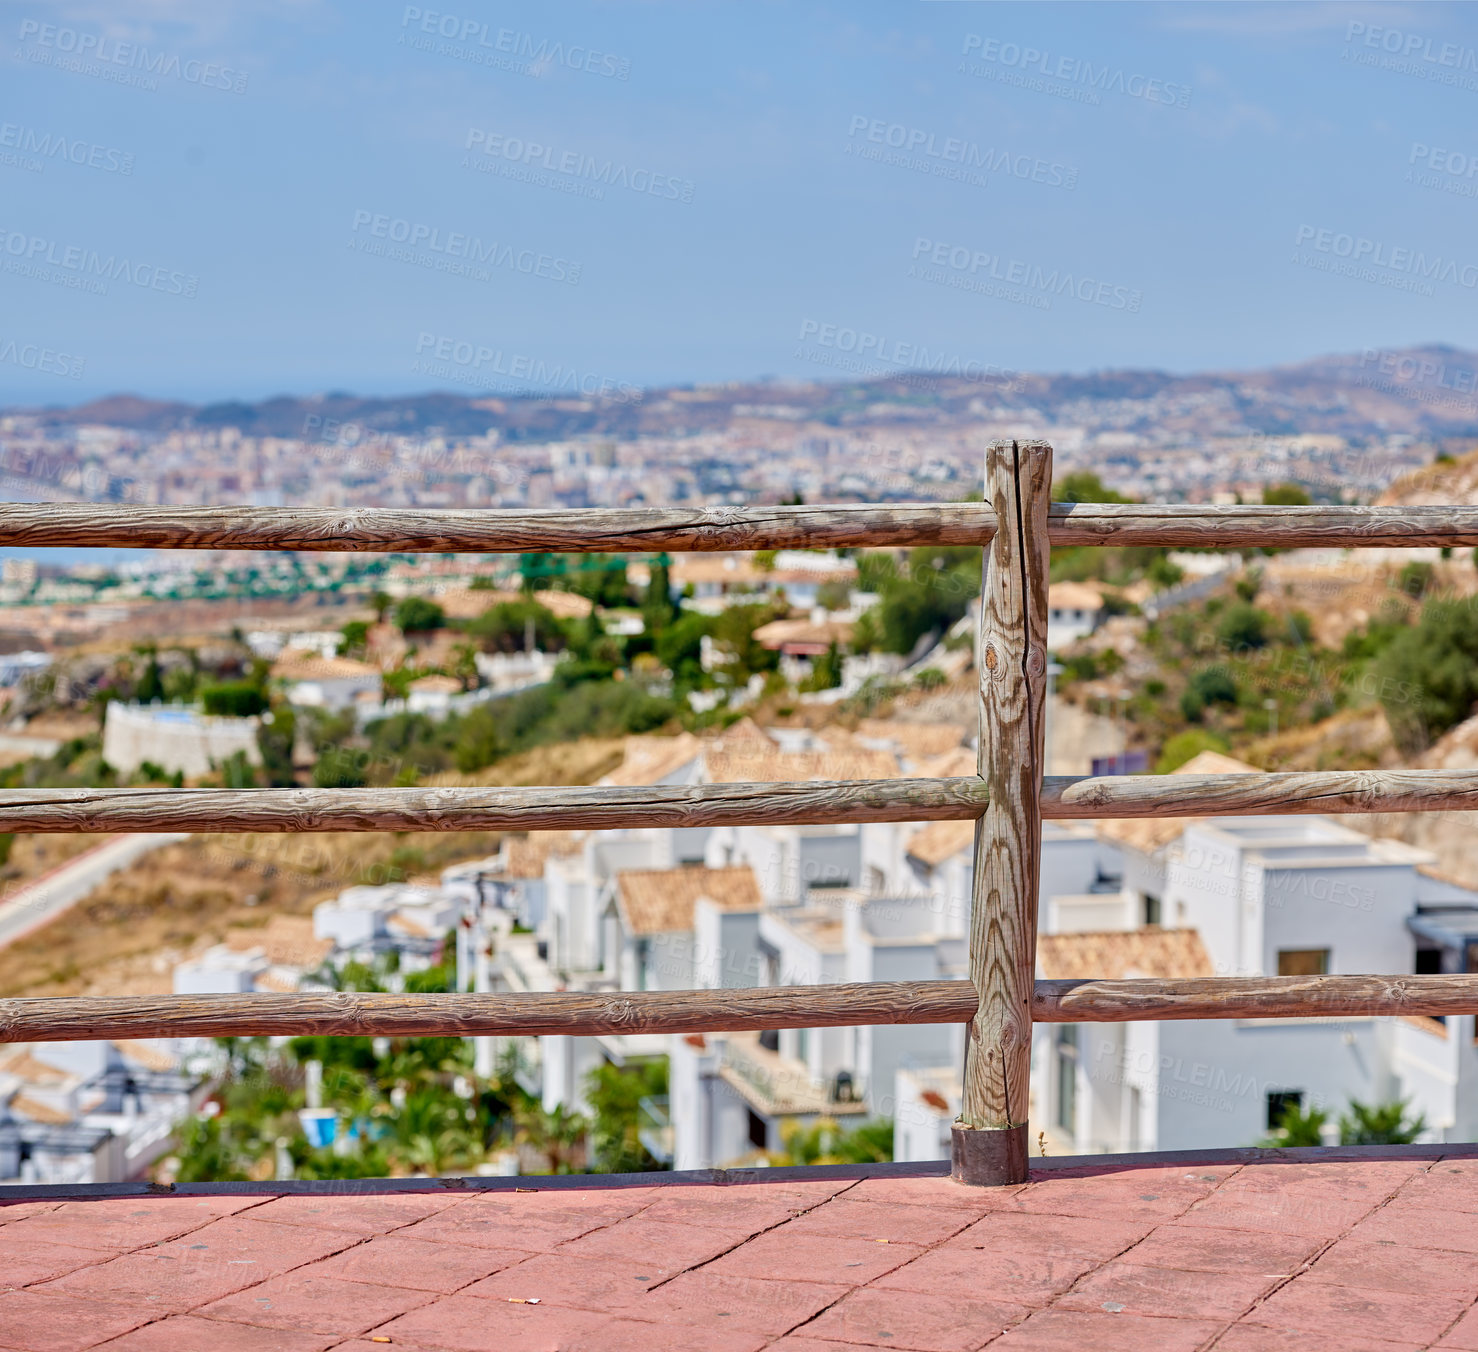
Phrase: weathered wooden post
(990, 1140)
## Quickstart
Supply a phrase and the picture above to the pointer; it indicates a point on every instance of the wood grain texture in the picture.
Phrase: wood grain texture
(1120, 524)
(1283, 793)
(349, 1014)
(462, 809)
(577, 1013)
(1012, 668)
(588, 530)
(1264, 997)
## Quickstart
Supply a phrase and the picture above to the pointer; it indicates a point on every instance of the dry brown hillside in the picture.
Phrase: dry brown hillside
(125, 938)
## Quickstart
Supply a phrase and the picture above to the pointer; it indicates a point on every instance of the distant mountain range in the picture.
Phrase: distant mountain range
(1429, 391)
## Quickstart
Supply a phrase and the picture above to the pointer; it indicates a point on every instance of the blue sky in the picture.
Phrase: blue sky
(745, 204)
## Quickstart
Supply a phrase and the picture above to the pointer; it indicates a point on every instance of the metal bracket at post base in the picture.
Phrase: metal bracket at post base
(988, 1157)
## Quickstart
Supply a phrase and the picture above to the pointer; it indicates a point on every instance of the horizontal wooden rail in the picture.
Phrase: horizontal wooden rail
(461, 809)
(818, 802)
(1283, 793)
(646, 529)
(1253, 997)
(1167, 524)
(445, 531)
(585, 1014)
(578, 1013)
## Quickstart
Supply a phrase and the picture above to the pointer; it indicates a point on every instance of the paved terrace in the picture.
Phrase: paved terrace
(1338, 1251)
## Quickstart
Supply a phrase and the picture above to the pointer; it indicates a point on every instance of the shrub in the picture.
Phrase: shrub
(1428, 674)
(233, 699)
(1184, 745)
(417, 615)
(1243, 626)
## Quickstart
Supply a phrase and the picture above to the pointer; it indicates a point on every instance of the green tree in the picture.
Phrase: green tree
(417, 615)
(1184, 745)
(233, 699)
(151, 683)
(275, 743)
(1243, 626)
(1286, 495)
(1299, 1126)
(478, 741)
(826, 671)
(1428, 674)
(356, 638)
(1083, 485)
(615, 1094)
(657, 607)
(507, 627)
(826, 1142)
(1380, 1124)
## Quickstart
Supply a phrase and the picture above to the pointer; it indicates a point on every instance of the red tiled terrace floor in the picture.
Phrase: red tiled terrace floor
(1247, 1251)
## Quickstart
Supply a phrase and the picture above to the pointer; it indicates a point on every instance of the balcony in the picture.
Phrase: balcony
(1239, 1250)
(1367, 1250)
(779, 1086)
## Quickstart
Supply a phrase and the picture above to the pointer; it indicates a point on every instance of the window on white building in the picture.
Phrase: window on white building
(1281, 1101)
(1067, 1076)
(1303, 962)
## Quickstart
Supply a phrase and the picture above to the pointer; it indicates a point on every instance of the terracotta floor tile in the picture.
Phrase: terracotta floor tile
(1253, 1337)
(466, 1324)
(315, 1304)
(23, 1262)
(1338, 1310)
(1122, 1203)
(119, 1224)
(1167, 1292)
(14, 1211)
(46, 1322)
(1024, 1278)
(1201, 1248)
(1357, 1262)
(1088, 1238)
(672, 1248)
(625, 1335)
(909, 1320)
(603, 1285)
(818, 1258)
(164, 1284)
(186, 1333)
(931, 1192)
(754, 1304)
(1079, 1331)
(750, 1213)
(358, 1214)
(418, 1264)
(1321, 1216)
(880, 1221)
(1420, 1227)
(799, 1342)
(1463, 1334)
(497, 1229)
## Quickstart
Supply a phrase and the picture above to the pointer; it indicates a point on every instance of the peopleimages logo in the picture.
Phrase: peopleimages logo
(895, 352)
(471, 363)
(476, 41)
(53, 146)
(949, 156)
(538, 163)
(97, 54)
(1360, 255)
(1013, 279)
(84, 269)
(453, 251)
(34, 357)
(1067, 76)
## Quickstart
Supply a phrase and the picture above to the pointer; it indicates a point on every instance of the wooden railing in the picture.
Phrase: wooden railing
(1016, 526)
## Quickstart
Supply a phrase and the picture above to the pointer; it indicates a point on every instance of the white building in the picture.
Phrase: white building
(175, 738)
(91, 1112)
(1252, 896)
(1074, 610)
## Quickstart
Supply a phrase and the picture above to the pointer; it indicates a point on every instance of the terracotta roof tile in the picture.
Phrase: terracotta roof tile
(660, 901)
(649, 760)
(781, 767)
(939, 841)
(525, 856)
(1113, 955)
